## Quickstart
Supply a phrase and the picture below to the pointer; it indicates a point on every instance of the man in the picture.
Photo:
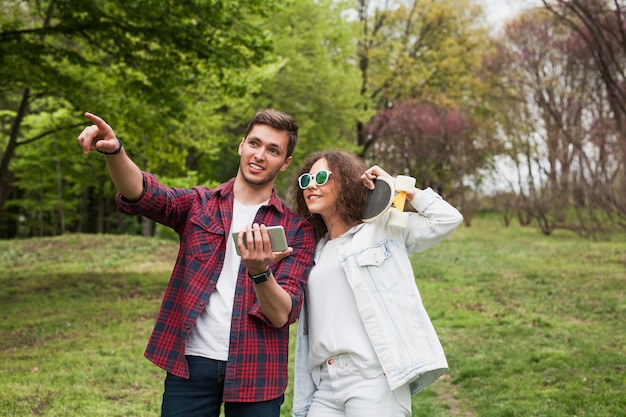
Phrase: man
(222, 331)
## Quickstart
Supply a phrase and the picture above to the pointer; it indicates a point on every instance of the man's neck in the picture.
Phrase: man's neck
(249, 194)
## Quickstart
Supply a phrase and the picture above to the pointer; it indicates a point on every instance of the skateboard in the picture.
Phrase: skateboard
(385, 196)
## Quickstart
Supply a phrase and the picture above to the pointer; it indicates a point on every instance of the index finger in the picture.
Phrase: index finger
(96, 119)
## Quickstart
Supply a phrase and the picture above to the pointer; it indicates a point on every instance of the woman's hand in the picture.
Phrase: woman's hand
(374, 172)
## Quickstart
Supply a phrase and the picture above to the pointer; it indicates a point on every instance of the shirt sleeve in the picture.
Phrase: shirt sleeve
(292, 272)
(434, 221)
(168, 206)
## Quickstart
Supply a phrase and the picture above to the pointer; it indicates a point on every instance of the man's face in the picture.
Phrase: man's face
(263, 155)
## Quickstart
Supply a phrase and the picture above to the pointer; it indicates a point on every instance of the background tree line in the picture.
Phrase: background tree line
(528, 120)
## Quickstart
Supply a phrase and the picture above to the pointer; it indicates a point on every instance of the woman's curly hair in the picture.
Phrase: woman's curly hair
(346, 169)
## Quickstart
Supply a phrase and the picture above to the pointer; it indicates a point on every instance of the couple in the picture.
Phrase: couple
(365, 343)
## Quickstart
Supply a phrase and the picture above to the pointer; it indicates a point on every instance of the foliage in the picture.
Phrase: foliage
(419, 87)
(560, 134)
(432, 144)
(179, 103)
(423, 49)
(316, 80)
(600, 40)
(421, 64)
(313, 78)
(142, 39)
(124, 60)
(531, 325)
(309, 76)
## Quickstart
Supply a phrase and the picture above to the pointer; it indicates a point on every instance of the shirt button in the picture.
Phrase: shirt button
(330, 361)
(187, 326)
(201, 302)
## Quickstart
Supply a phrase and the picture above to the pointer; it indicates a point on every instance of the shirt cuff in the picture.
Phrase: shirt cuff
(424, 199)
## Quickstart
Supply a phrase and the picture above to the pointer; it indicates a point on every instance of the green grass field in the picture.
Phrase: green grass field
(532, 325)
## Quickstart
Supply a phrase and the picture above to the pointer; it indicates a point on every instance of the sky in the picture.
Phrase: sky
(500, 10)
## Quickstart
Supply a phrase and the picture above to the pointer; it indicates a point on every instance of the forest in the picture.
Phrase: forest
(526, 120)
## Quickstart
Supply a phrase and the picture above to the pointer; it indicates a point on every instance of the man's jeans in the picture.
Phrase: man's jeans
(201, 394)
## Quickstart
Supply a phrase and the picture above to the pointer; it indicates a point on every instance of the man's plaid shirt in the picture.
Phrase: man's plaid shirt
(257, 359)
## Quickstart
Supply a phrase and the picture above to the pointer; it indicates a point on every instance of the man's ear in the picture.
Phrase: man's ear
(240, 146)
(286, 164)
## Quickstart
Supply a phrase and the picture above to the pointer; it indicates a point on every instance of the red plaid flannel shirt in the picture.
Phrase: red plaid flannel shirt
(258, 352)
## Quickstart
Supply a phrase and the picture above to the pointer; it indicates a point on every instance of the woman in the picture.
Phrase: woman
(365, 343)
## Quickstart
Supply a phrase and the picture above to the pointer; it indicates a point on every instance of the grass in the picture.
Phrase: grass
(532, 325)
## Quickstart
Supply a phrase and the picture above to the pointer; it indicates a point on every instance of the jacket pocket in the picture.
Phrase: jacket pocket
(374, 256)
(203, 237)
(375, 260)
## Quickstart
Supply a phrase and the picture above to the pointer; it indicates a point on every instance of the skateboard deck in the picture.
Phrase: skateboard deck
(379, 199)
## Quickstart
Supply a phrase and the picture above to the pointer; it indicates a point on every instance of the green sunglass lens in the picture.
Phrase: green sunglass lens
(305, 180)
(321, 177)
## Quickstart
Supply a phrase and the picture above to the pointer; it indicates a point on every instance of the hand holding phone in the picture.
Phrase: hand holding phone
(277, 239)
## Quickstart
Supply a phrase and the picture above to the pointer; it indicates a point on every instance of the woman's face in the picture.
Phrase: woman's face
(321, 199)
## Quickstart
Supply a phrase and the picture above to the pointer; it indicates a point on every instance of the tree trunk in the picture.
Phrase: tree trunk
(6, 182)
(148, 227)
(59, 182)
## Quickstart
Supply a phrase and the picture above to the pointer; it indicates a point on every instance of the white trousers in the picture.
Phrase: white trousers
(343, 391)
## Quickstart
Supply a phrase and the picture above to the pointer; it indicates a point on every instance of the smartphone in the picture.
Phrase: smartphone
(277, 238)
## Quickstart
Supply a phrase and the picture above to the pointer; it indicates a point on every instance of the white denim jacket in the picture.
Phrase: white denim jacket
(378, 267)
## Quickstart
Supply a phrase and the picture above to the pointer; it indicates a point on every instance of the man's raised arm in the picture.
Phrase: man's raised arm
(124, 173)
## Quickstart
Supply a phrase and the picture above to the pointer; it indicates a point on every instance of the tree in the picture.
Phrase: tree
(316, 79)
(558, 129)
(114, 56)
(311, 75)
(421, 64)
(428, 51)
(600, 30)
(434, 144)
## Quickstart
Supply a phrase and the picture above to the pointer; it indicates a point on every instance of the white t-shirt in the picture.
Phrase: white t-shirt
(335, 326)
(210, 337)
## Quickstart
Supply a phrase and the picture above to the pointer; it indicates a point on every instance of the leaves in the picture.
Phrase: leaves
(128, 61)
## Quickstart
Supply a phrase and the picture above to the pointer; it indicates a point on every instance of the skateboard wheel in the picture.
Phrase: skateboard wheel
(404, 183)
(398, 219)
